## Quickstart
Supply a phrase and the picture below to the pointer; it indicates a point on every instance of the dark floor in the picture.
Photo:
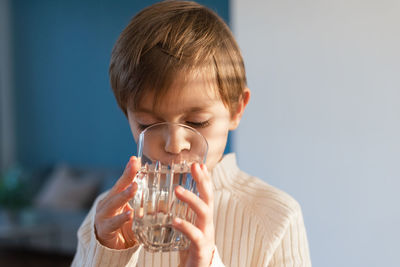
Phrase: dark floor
(28, 258)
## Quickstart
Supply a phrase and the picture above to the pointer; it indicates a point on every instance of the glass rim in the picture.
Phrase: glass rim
(142, 133)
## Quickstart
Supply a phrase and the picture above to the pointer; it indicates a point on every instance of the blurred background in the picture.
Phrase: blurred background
(323, 123)
(63, 138)
(324, 120)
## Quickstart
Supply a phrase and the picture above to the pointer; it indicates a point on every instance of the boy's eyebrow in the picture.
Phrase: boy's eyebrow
(187, 110)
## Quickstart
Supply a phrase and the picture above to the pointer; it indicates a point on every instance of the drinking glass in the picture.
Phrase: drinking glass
(166, 152)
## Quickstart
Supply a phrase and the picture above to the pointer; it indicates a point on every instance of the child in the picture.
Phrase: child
(178, 62)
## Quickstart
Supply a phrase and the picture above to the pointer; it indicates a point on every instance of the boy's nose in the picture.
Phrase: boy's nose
(177, 141)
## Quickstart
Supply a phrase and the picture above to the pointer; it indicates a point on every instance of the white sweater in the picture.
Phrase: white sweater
(255, 225)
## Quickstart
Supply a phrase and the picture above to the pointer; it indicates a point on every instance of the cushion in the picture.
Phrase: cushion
(67, 189)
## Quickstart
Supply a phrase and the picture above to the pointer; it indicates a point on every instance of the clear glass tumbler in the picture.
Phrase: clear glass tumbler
(166, 151)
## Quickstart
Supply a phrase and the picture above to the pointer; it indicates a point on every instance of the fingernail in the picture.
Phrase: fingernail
(128, 214)
(197, 167)
(128, 190)
(180, 189)
(203, 167)
(178, 220)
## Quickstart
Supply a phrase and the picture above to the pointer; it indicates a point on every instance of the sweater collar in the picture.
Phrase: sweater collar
(225, 171)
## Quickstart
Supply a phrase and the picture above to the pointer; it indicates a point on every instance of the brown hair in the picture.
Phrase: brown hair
(172, 37)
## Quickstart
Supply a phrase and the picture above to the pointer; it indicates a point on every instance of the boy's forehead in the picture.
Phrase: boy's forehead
(187, 93)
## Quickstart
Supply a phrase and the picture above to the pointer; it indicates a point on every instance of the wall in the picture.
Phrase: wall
(324, 120)
(7, 133)
(65, 109)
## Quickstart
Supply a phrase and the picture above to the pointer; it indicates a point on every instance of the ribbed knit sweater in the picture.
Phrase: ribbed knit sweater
(255, 225)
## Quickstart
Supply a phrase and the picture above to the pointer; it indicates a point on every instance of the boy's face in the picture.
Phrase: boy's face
(192, 101)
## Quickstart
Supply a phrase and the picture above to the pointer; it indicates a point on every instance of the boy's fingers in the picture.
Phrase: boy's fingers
(127, 232)
(114, 223)
(117, 201)
(204, 183)
(132, 167)
(196, 204)
(188, 229)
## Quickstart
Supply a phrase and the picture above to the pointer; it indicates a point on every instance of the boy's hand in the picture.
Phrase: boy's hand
(201, 234)
(113, 220)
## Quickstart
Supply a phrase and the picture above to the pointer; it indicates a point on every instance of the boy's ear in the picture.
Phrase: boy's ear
(237, 115)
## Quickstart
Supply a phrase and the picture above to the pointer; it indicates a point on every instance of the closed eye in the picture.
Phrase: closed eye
(143, 126)
(201, 124)
(193, 124)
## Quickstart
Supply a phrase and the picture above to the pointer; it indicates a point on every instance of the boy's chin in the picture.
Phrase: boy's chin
(212, 162)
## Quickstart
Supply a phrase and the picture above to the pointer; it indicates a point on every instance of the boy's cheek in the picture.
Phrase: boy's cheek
(216, 147)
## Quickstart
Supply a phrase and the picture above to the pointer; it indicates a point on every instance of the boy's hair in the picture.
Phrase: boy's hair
(171, 38)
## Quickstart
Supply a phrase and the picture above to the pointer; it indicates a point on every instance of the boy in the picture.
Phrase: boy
(178, 62)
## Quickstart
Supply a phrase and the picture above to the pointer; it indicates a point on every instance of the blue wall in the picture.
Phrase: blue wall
(64, 105)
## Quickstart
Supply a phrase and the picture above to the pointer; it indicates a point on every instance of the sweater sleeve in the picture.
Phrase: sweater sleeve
(91, 253)
(293, 249)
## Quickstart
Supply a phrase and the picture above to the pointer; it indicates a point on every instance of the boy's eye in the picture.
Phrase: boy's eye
(143, 126)
(193, 124)
(201, 124)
